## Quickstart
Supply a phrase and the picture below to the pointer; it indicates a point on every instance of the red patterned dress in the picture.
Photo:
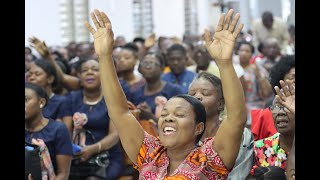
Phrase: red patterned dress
(202, 163)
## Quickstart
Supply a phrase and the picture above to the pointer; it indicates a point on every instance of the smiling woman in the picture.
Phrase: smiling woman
(175, 154)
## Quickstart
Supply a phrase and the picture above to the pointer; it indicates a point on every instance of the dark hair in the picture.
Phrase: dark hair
(269, 173)
(29, 49)
(260, 47)
(280, 69)
(49, 69)
(214, 80)
(80, 62)
(41, 93)
(247, 43)
(267, 15)
(132, 47)
(198, 109)
(177, 47)
(139, 39)
(159, 57)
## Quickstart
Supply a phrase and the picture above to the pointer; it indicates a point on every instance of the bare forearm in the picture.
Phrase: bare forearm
(68, 81)
(59, 72)
(62, 176)
(233, 92)
(112, 91)
(109, 141)
(264, 87)
(130, 132)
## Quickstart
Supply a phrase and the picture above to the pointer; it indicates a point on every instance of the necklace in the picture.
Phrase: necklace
(91, 103)
(38, 127)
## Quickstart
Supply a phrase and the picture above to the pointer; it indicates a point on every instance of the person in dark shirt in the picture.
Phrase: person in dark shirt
(54, 134)
(89, 100)
(151, 67)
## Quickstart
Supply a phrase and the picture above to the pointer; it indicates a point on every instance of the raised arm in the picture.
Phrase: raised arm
(265, 88)
(130, 132)
(68, 81)
(228, 137)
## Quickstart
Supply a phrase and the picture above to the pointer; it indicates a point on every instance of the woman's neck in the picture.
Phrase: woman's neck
(153, 85)
(244, 64)
(212, 126)
(36, 124)
(177, 156)
(128, 76)
(285, 141)
(49, 92)
(93, 95)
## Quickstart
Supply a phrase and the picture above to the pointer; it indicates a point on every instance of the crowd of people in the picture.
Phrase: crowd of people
(212, 106)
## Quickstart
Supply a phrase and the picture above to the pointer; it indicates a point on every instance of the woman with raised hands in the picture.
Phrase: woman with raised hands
(274, 150)
(175, 153)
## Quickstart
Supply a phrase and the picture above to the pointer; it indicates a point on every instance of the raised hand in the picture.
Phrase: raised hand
(40, 46)
(221, 45)
(150, 41)
(145, 111)
(287, 97)
(103, 35)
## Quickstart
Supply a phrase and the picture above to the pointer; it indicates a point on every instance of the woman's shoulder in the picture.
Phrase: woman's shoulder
(266, 141)
(55, 125)
(74, 96)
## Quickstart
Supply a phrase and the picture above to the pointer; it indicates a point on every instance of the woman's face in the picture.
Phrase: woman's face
(284, 120)
(126, 60)
(205, 92)
(89, 74)
(150, 67)
(176, 61)
(38, 76)
(176, 124)
(291, 75)
(32, 104)
(245, 53)
(202, 59)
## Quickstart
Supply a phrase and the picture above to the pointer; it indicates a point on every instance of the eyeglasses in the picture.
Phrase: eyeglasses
(151, 64)
(277, 108)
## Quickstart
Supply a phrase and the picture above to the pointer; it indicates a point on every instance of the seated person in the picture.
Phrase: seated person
(53, 133)
(274, 150)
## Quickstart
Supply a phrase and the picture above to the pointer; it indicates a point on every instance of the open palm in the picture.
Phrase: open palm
(287, 96)
(221, 45)
(40, 46)
(103, 35)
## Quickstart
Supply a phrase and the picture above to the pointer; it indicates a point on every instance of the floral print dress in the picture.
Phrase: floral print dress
(202, 163)
(269, 153)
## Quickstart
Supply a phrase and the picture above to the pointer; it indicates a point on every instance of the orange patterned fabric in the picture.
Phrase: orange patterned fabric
(202, 163)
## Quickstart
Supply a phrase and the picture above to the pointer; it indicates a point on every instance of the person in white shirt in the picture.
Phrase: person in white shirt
(269, 26)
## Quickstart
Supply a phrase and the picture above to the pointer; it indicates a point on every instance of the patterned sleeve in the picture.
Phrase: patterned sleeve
(213, 159)
(148, 150)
